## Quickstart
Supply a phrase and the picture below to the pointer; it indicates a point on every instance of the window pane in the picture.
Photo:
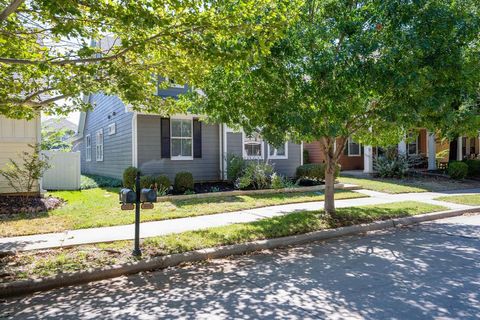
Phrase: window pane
(281, 150)
(176, 147)
(412, 148)
(354, 148)
(187, 147)
(186, 128)
(272, 151)
(176, 128)
(253, 149)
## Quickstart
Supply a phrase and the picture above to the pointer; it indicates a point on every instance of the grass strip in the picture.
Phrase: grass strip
(100, 208)
(37, 264)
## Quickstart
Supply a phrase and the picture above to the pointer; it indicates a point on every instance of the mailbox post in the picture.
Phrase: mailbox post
(136, 249)
(140, 199)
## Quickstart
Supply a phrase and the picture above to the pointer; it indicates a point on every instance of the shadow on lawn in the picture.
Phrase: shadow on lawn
(409, 273)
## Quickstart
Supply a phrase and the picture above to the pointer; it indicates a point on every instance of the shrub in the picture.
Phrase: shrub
(147, 182)
(163, 182)
(129, 176)
(256, 176)
(391, 166)
(473, 168)
(457, 170)
(93, 181)
(183, 182)
(22, 176)
(314, 171)
(278, 182)
(236, 165)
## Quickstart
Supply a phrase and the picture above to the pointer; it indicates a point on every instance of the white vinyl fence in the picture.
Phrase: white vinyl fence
(64, 173)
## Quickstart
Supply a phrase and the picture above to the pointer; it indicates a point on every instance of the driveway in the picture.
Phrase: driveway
(428, 271)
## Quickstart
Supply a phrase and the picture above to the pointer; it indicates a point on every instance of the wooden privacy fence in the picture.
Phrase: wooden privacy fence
(64, 173)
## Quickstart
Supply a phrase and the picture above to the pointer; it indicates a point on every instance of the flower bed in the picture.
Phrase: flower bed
(22, 204)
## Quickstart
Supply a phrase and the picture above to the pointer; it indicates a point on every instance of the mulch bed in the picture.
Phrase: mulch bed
(212, 187)
(19, 204)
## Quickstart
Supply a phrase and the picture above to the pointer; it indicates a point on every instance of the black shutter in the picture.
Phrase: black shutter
(165, 137)
(197, 138)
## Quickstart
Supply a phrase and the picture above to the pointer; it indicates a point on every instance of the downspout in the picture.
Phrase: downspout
(220, 150)
(225, 165)
(134, 141)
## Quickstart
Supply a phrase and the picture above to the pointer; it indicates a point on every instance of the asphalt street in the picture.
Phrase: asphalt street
(427, 271)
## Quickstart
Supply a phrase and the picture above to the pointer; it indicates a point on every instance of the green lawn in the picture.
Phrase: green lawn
(100, 207)
(471, 200)
(411, 184)
(49, 262)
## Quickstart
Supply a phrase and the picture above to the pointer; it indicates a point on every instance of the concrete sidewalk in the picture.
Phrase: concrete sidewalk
(158, 228)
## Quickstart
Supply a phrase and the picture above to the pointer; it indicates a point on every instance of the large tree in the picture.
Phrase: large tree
(370, 70)
(46, 53)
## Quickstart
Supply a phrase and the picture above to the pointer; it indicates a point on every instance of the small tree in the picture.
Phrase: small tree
(371, 70)
(23, 175)
(55, 139)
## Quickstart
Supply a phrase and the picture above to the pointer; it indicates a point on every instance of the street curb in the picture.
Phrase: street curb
(22, 287)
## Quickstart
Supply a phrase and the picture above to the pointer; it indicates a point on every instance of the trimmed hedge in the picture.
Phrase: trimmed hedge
(90, 181)
(147, 182)
(163, 182)
(473, 167)
(129, 176)
(457, 170)
(314, 171)
(183, 182)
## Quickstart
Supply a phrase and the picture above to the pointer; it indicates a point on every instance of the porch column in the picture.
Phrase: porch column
(459, 148)
(402, 148)
(432, 152)
(368, 159)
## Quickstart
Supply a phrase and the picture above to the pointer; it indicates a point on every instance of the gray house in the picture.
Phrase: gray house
(111, 138)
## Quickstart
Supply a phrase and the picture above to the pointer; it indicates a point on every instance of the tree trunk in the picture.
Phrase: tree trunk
(329, 204)
(332, 148)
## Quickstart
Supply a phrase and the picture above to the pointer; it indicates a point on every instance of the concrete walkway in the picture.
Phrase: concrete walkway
(158, 228)
(427, 271)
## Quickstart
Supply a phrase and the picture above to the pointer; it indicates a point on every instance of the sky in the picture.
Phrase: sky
(73, 117)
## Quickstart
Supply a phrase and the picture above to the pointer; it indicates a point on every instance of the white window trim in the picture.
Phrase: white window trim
(416, 147)
(171, 137)
(88, 147)
(275, 156)
(350, 140)
(99, 155)
(247, 157)
(110, 127)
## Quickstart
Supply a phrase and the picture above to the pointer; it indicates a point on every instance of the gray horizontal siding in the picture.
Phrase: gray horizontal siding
(286, 167)
(150, 161)
(117, 148)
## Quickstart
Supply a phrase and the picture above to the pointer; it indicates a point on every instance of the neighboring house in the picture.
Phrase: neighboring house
(359, 157)
(111, 138)
(15, 136)
(56, 124)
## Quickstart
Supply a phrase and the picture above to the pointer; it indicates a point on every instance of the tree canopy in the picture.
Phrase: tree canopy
(371, 70)
(47, 53)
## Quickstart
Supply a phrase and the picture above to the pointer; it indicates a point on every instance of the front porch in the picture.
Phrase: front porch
(436, 151)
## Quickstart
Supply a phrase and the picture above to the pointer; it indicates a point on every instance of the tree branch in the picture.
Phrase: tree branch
(10, 9)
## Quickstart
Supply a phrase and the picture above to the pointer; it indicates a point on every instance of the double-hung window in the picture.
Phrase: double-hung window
(181, 139)
(88, 148)
(353, 147)
(252, 146)
(412, 147)
(280, 152)
(99, 145)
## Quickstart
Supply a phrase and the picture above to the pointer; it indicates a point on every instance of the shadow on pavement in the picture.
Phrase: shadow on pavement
(408, 273)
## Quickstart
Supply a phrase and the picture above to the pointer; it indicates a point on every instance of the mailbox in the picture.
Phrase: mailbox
(148, 195)
(127, 196)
